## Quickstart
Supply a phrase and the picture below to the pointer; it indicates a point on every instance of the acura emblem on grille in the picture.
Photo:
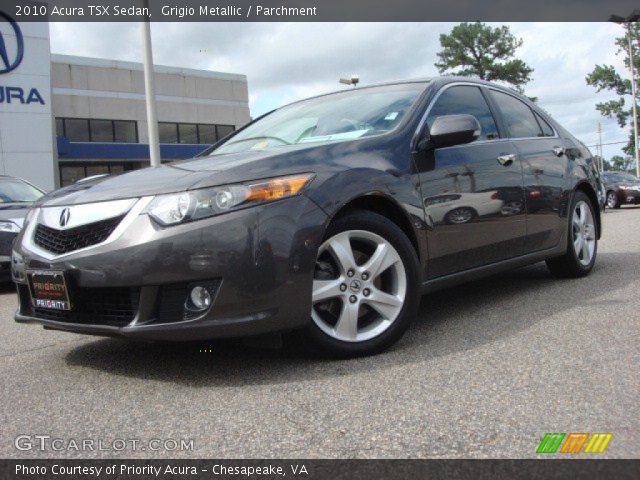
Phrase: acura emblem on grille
(64, 217)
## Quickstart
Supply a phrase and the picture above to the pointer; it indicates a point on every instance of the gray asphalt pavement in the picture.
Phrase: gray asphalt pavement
(486, 371)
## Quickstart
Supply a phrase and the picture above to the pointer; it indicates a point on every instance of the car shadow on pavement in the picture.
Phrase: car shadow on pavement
(450, 321)
(7, 287)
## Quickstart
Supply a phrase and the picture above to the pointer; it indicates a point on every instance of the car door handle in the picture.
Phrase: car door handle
(558, 151)
(506, 159)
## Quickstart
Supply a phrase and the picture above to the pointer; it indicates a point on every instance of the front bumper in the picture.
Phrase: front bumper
(259, 263)
(630, 197)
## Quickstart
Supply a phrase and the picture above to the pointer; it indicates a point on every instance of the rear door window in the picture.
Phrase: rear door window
(465, 99)
(518, 116)
(547, 131)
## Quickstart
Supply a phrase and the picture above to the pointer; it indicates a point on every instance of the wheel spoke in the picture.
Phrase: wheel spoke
(576, 220)
(347, 326)
(381, 260)
(578, 242)
(385, 304)
(340, 247)
(583, 214)
(586, 251)
(325, 289)
(589, 232)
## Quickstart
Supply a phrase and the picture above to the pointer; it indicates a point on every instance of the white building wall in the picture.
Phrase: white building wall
(26, 130)
(107, 89)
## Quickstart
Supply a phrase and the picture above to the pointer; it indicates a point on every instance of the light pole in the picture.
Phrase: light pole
(150, 93)
(633, 17)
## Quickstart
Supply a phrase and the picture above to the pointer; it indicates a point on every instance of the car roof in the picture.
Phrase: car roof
(438, 81)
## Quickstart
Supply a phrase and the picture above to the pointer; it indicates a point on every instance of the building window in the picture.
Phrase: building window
(76, 130)
(70, 173)
(224, 130)
(101, 130)
(60, 127)
(207, 134)
(97, 130)
(168, 132)
(190, 133)
(125, 131)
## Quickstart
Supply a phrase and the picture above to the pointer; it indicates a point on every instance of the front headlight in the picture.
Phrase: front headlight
(196, 204)
(7, 226)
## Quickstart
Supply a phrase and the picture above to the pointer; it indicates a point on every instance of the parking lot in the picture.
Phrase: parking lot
(486, 371)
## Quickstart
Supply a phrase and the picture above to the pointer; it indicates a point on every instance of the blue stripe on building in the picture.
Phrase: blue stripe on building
(69, 151)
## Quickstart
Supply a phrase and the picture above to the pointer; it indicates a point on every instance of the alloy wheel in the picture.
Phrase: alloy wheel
(359, 286)
(612, 200)
(584, 233)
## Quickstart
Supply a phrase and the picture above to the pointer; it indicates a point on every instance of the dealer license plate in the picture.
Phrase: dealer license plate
(48, 289)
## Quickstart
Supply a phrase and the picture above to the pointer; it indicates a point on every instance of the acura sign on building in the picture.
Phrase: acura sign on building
(26, 123)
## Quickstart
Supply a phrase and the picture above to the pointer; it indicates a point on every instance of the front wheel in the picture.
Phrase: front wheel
(582, 247)
(365, 286)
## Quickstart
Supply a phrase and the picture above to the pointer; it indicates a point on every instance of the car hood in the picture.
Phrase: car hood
(191, 174)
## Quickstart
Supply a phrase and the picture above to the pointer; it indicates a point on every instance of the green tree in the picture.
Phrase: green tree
(476, 49)
(620, 163)
(605, 77)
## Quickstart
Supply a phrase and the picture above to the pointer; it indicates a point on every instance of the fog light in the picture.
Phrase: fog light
(200, 298)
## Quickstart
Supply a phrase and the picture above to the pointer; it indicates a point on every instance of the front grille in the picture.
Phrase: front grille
(64, 241)
(92, 306)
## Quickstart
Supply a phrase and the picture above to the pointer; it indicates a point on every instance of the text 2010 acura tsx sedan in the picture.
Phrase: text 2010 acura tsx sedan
(315, 216)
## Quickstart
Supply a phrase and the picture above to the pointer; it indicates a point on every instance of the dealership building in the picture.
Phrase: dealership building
(63, 118)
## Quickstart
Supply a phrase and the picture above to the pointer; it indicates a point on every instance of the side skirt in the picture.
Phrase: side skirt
(491, 269)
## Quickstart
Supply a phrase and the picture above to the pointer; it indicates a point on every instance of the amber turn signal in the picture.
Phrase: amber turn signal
(277, 188)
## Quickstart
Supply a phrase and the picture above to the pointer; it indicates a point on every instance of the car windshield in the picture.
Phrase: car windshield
(341, 116)
(620, 177)
(14, 190)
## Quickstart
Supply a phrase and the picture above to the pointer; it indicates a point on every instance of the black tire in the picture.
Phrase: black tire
(569, 265)
(614, 200)
(391, 233)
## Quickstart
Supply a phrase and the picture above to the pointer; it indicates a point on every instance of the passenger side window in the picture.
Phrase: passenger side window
(547, 131)
(468, 100)
(518, 116)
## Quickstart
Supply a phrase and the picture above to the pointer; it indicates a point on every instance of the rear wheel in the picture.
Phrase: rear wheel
(583, 241)
(612, 200)
(365, 286)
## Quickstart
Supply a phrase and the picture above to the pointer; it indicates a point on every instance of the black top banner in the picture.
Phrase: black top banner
(320, 469)
(317, 10)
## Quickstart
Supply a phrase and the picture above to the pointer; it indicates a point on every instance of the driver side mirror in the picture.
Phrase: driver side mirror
(450, 130)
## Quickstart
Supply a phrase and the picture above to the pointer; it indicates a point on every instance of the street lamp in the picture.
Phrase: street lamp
(633, 17)
(353, 80)
(150, 92)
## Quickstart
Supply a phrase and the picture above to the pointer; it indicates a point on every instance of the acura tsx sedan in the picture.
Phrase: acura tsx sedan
(318, 216)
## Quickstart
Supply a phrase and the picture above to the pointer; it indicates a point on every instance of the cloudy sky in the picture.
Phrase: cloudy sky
(288, 61)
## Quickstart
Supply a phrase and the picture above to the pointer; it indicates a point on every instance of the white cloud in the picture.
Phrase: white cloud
(288, 61)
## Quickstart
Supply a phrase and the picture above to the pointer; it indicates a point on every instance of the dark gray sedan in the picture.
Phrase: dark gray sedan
(318, 216)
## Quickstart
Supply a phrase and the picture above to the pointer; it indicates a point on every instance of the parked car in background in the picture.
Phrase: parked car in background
(317, 216)
(622, 189)
(16, 197)
(455, 208)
